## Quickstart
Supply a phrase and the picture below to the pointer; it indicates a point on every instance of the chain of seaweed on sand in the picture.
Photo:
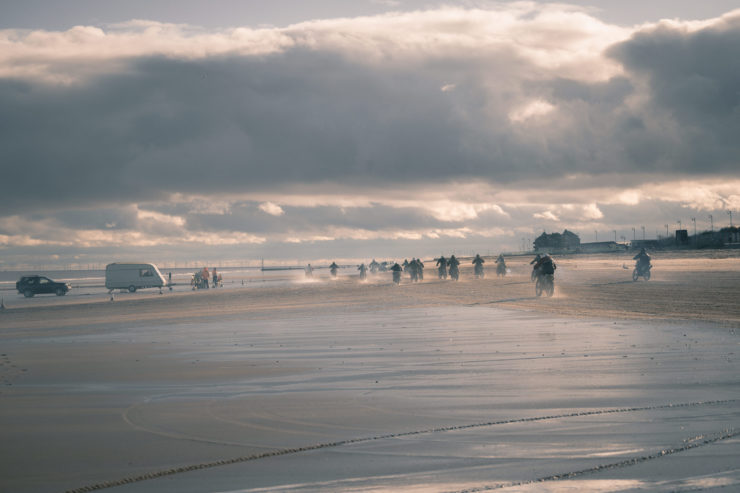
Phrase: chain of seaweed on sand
(318, 446)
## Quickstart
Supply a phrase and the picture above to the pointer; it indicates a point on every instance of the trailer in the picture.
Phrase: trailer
(133, 276)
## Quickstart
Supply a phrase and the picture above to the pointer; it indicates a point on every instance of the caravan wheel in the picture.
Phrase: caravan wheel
(132, 289)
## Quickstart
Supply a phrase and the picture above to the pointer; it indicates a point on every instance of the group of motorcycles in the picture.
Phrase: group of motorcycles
(454, 269)
(543, 270)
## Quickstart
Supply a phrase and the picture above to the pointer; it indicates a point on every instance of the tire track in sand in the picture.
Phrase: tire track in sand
(693, 443)
(350, 441)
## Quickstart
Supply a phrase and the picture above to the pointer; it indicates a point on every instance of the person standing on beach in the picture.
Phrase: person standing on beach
(309, 271)
(215, 278)
(333, 269)
(205, 276)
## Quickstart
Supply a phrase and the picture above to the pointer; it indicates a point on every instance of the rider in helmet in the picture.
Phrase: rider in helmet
(643, 259)
(545, 265)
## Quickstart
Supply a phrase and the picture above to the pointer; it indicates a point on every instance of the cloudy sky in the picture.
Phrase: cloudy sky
(227, 131)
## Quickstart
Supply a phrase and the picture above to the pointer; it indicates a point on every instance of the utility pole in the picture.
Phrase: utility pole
(730, 213)
(633, 234)
(667, 234)
(643, 233)
(711, 223)
(615, 236)
(679, 224)
(596, 235)
(693, 219)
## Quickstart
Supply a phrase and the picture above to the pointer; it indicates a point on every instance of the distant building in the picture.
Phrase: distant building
(602, 247)
(646, 244)
(564, 242)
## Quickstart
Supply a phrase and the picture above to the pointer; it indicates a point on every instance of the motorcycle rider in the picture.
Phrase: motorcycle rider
(333, 269)
(453, 263)
(442, 264)
(478, 263)
(413, 270)
(420, 269)
(501, 265)
(545, 265)
(643, 260)
(397, 269)
(534, 268)
(363, 272)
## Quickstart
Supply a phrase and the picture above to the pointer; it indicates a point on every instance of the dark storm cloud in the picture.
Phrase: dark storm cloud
(692, 81)
(241, 124)
(219, 125)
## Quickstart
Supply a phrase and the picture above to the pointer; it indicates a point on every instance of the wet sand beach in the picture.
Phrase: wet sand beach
(610, 385)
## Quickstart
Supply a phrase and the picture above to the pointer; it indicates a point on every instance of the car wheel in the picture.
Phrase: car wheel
(60, 292)
(28, 293)
(132, 289)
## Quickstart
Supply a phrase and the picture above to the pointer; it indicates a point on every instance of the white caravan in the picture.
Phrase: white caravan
(132, 276)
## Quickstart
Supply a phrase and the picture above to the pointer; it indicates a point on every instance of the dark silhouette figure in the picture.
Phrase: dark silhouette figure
(453, 263)
(478, 266)
(442, 267)
(642, 266)
(396, 269)
(501, 266)
(534, 266)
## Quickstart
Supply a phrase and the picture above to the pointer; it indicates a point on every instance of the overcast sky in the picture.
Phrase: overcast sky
(226, 131)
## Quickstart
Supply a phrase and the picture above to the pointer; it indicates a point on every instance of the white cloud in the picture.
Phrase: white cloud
(271, 208)
(146, 215)
(563, 41)
(531, 109)
(547, 215)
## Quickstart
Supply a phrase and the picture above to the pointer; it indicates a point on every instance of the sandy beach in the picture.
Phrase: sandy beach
(341, 385)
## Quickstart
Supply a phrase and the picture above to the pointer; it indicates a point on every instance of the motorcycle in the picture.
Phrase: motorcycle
(478, 271)
(397, 276)
(501, 269)
(545, 284)
(454, 272)
(641, 270)
(442, 272)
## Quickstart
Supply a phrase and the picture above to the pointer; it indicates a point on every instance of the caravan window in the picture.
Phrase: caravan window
(146, 273)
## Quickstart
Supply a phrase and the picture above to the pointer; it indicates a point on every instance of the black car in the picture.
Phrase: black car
(31, 285)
